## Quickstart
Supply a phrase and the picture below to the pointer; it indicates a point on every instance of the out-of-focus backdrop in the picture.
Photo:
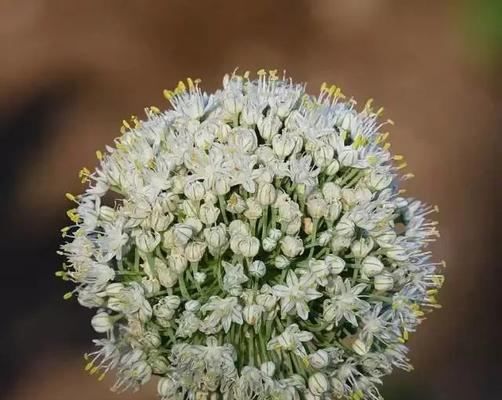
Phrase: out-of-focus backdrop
(70, 71)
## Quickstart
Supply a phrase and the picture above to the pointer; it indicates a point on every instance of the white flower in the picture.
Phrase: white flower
(345, 302)
(291, 340)
(263, 215)
(234, 278)
(296, 294)
(224, 312)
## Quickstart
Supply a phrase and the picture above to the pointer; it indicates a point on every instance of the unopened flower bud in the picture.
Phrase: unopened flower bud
(192, 305)
(168, 277)
(319, 359)
(323, 155)
(383, 282)
(325, 237)
(274, 234)
(194, 190)
(233, 102)
(283, 145)
(308, 225)
(216, 236)
(252, 313)
(257, 269)
(200, 277)
(332, 168)
(102, 322)
(253, 211)
(348, 157)
(249, 246)
(345, 227)
(331, 191)
(318, 384)
(208, 213)
(371, 266)
(194, 251)
(268, 368)
(269, 244)
(177, 262)
(222, 187)
(147, 241)
(360, 347)
(281, 262)
(266, 194)
(107, 213)
(379, 180)
(334, 210)
(361, 247)
(291, 246)
(269, 126)
(316, 207)
(182, 233)
(335, 264)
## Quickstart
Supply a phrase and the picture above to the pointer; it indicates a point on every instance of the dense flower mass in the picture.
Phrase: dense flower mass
(251, 244)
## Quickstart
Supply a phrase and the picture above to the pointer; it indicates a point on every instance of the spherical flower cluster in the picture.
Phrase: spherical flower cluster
(251, 244)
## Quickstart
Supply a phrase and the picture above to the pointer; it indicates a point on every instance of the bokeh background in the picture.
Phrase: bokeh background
(70, 71)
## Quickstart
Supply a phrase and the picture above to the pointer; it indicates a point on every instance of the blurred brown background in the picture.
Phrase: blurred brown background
(70, 71)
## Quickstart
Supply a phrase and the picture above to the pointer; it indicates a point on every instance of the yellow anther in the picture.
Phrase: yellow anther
(102, 376)
(246, 75)
(70, 197)
(181, 87)
(99, 155)
(380, 111)
(155, 110)
(368, 104)
(398, 157)
(408, 176)
(64, 231)
(338, 93)
(390, 122)
(168, 94)
(93, 370)
(191, 86)
(84, 173)
(197, 81)
(88, 366)
(386, 146)
(324, 85)
(73, 215)
(261, 72)
(436, 208)
(382, 137)
(125, 124)
(443, 264)
(402, 165)
(432, 292)
(68, 295)
(273, 74)
(135, 120)
(405, 335)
